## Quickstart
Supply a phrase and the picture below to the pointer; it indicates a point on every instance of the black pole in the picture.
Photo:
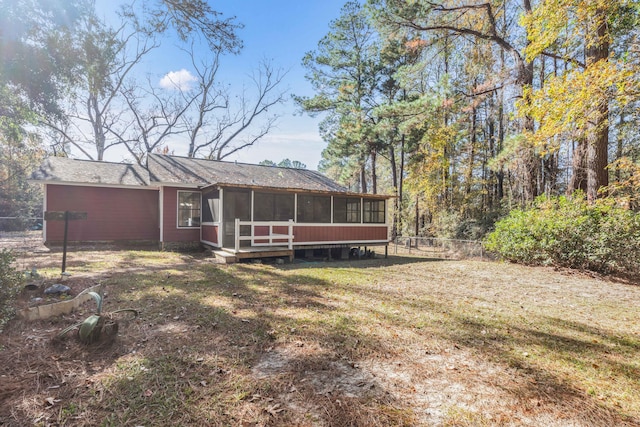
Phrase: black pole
(64, 245)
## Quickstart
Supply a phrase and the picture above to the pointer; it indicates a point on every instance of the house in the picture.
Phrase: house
(246, 210)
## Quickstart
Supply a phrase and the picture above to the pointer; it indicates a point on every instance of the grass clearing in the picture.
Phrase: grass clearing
(402, 341)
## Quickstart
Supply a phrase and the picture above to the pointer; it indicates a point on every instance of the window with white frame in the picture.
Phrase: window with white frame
(373, 211)
(346, 210)
(188, 209)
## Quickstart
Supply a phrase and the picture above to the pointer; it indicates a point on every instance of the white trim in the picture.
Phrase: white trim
(206, 242)
(178, 210)
(342, 242)
(295, 207)
(96, 184)
(252, 203)
(270, 237)
(220, 216)
(331, 210)
(209, 224)
(161, 205)
(44, 209)
(179, 185)
(341, 224)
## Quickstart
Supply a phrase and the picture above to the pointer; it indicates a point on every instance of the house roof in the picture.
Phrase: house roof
(172, 169)
(183, 171)
(62, 169)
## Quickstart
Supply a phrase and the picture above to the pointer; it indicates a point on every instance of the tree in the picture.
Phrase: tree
(344, 72)
(106, 89)
(218, 127)
(36, 69)
(285, 163)
(575, 104)
(479, 22)
(19, 156)
(36, 64)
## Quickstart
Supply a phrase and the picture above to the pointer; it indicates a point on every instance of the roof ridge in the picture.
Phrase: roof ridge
(231, 162)
(93, 161)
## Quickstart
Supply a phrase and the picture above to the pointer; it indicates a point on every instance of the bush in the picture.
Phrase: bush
(10, 286)
(568, 232)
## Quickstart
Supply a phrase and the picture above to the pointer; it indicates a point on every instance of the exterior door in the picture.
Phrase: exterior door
(236, 204)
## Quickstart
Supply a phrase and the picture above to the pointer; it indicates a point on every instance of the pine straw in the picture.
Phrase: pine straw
(373, 343)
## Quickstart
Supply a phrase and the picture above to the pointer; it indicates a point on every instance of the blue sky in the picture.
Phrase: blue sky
(280, 31)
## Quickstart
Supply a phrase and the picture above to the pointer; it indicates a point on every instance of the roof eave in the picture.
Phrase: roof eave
(293, 189)
(92, 184)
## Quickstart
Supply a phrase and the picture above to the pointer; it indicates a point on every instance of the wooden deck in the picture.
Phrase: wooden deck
(229, 256)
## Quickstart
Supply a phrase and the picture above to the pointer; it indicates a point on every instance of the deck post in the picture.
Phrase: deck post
(290, 234)
(237, 235)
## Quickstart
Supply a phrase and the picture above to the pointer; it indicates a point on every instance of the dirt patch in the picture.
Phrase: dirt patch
(327, 377)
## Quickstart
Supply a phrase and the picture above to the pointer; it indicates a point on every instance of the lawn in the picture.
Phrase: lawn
(397, 341)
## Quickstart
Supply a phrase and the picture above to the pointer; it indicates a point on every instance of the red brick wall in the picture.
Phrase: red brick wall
(171, 231)
(338, 233)
(112, 213)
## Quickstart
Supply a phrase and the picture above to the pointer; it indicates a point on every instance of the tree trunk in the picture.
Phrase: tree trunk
(98, 129)
(578, 179)
(363, 178)
(598, 135)
(374, 177)
(472, 151)
(394, 183)
(530, 170)
(401, 185)
(620, 147)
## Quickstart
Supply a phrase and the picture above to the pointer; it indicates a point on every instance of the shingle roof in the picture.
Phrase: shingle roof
(62, 169)
(172, 169)
(180, 171)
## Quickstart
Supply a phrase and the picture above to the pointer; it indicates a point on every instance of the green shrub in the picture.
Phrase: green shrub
(10, 286)
(568, 232)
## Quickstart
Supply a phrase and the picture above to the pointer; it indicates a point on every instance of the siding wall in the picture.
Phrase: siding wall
(339, 233)
(113, 214)
(171, 232)
(210, 233)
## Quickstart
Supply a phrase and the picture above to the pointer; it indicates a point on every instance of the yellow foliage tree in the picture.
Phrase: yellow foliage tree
(574, 105)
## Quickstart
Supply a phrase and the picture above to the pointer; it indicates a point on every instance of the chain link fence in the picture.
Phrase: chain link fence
(431, 247)
(14, 223)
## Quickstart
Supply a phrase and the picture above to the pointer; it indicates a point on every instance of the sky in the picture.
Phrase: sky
(279, 31)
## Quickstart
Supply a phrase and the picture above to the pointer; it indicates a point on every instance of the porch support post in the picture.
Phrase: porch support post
(237, 235)
(290, 234)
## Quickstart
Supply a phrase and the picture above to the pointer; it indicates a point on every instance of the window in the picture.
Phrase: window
(188, 209)
(273, 206)
(314, 209)
(374, 211)
(211, 206)
(346, 210)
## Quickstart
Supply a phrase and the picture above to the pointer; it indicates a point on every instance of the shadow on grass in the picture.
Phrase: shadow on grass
(190, 357)
(549, 354)
(564, 362)
(379, 261)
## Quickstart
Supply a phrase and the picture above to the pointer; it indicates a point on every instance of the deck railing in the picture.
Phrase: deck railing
(269, 239)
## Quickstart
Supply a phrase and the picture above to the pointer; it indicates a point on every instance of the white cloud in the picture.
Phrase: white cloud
(181, 80)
